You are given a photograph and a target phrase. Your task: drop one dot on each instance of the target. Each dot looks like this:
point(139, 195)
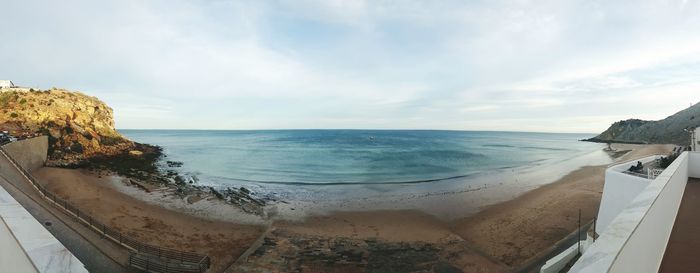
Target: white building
point(696, 139)
point(6, 84)
point(646, 224)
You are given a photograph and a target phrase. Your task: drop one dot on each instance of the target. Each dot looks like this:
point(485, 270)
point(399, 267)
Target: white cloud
point(360, 64)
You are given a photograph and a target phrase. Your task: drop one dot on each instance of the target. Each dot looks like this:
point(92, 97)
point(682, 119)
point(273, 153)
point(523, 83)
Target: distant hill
point(665, 131)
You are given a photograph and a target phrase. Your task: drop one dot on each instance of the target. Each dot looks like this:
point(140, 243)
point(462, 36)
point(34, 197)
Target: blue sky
point(549, 66)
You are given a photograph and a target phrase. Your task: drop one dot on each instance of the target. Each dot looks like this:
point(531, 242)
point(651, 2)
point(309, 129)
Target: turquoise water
point(332, 157)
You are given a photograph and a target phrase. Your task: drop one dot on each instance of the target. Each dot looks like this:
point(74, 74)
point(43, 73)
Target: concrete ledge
point(30, 153)
point(635, 241)
point(44, 251)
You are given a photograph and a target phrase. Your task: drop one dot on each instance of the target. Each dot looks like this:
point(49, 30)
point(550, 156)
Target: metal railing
point(157, 259)
point(147, 263)
point(652, 173)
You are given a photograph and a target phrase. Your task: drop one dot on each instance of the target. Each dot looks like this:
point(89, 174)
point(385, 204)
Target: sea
point(290, 161)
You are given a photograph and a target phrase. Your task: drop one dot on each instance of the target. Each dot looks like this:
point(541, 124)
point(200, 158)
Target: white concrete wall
point(30, 153)
point(694, 164)
point(618, 191)
point(12, 256)
point(645, 249)
point(46, 253)
point(557, 263)
point(635, 241)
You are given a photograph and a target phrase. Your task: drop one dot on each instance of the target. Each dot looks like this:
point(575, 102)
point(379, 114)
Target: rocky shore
point(81, 134)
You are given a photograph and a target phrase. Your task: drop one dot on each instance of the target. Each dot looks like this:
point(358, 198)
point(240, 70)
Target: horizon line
point(352, 129)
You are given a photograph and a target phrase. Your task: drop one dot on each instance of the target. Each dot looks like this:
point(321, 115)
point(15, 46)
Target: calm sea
point(309, 157)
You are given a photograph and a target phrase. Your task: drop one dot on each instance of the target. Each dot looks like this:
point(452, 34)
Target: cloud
point(572, 66)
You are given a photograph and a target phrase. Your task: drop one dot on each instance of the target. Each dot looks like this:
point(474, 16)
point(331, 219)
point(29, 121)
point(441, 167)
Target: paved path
point(682, 250)
point(97, 254)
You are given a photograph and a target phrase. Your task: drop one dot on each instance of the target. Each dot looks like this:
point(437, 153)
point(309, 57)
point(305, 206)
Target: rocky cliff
point(79, 126)
point(665, 131)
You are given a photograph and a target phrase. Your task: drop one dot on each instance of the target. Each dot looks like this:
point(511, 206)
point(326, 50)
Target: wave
point(545, 148)
point(340, 183)
point(526, 147)
point(500, 145)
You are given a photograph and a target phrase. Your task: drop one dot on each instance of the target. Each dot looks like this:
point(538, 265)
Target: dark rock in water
point(174, 164)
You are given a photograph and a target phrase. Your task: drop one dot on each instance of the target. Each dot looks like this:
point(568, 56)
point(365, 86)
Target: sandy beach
point(497, 238)
point(223, 241)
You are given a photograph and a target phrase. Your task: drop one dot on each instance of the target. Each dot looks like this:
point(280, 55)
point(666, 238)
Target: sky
point(545, 66)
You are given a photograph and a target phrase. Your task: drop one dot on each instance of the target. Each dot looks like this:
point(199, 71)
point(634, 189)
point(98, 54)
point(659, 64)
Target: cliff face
point(665, 131)
point(79, 126)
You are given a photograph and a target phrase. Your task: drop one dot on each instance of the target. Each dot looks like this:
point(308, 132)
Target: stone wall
point(29, 153)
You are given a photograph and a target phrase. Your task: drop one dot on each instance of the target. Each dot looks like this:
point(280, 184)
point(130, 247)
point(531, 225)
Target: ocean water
point(356, 157)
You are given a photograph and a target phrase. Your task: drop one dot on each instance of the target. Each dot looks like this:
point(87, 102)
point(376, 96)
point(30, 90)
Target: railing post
point(579, 231)
point(595, 219)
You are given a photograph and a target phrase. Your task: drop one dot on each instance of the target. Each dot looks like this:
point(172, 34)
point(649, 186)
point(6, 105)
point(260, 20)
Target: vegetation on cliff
point(79, 127)
point(666, 131)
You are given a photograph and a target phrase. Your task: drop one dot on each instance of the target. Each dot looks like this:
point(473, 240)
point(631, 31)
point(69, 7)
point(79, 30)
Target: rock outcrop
point(665, 131)
point(79, 126)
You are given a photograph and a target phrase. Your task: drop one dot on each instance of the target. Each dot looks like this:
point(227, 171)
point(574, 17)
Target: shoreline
point(499, 238)
point(496, 236)
point(447, 200)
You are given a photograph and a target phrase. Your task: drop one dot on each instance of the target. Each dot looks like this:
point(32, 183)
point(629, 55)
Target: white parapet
point(619, 190)
point(635, 240)
point(28, 245)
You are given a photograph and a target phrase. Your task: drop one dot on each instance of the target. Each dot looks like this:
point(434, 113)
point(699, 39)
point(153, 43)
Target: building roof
point(6, 83)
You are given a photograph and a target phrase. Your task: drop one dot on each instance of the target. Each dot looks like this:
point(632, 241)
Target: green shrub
point(14, 115)
point(666, 161)
point(23, 101)
point(4, 98)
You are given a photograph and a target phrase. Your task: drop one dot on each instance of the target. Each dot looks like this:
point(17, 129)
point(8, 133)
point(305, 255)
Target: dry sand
point(517, 230)
point(392, 225)
point(223, 241)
